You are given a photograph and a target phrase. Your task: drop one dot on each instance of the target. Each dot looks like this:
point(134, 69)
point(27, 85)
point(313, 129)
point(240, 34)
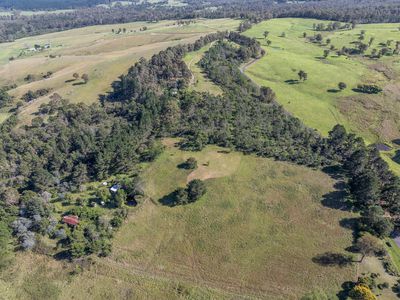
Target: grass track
point(199, 80)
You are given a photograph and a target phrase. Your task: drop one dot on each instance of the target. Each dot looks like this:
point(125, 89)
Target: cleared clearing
point(199, 81)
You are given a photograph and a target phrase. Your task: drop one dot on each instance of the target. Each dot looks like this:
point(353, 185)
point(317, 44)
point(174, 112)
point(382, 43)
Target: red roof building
point(71, 220)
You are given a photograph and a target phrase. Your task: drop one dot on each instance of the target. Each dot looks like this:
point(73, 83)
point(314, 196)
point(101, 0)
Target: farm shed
point(71, 220)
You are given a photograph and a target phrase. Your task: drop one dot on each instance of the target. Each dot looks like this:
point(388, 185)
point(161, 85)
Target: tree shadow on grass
point(349, 223)
point(224, 151)
point(332, 259)
point(335, 172)
point(292, 81)
point(183, 166)
point(69, 80)
point(333, 91)
point(62, 255)
point(336, 200)
point(353, 225)
point(347, 286)
point(169, 200)
point(78, 83)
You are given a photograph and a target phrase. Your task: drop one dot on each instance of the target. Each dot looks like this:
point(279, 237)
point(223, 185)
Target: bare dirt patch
point(388, 72)
point(393, 91)
point(218, 165)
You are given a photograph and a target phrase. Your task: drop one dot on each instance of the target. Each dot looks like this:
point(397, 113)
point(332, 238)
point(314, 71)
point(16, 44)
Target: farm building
point(71, 220)
point(115, 188)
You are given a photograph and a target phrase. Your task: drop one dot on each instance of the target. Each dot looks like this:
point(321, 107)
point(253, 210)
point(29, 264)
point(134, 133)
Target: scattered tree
point(302, 75)
point(362, 292)
point(368, 245)
point(190, 164)
point(368, 89)
point(85, 78)
point(342, 86)
point(196, 188)
point(119, 198)
point(267, 94)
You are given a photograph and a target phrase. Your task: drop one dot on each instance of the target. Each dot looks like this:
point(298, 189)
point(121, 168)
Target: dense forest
point(364, 11)
point(48, 4)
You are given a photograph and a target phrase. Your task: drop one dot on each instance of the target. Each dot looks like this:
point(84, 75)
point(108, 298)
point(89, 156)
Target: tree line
point(48, 4)
point(365, 11)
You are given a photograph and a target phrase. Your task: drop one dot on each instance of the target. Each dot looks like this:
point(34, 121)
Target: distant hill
point(48, 4)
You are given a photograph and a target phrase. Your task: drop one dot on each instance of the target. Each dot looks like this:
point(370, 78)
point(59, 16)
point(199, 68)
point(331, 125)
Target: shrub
point(5, 99)
point(342, 86)
point(368, 89)
point(189, 164)
point(362, 292)
point(195, 189)
point(390, 267)
point(181, 196)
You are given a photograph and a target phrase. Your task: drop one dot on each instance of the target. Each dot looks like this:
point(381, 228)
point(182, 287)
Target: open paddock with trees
point(235, 241)
point(97, 51)
point(161, 190)
point(319, 102)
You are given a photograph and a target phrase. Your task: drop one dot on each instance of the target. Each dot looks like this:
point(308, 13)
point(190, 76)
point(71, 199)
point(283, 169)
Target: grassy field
point(199, 80)
point(252, 235)
point(317, 101)
point(97, 51)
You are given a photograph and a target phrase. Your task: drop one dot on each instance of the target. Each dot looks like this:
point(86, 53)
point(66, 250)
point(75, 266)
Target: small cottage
point(115, 188)
point(71, 220)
